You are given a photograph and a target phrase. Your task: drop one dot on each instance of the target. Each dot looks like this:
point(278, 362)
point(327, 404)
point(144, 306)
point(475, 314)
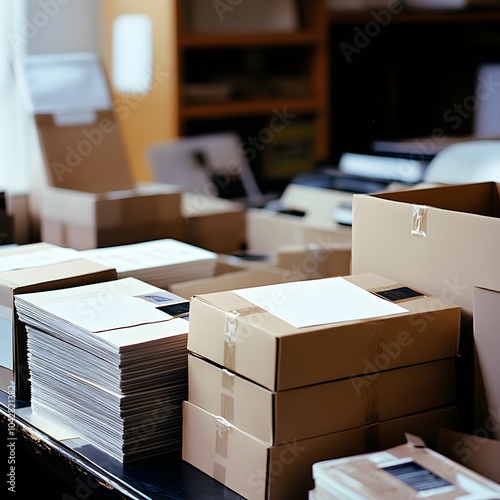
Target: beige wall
point(145, 119)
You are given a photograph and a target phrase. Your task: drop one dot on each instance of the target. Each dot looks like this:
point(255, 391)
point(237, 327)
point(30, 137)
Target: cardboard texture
point(487, 347)
point(256, 470)
point(314, 261)
point(268, 229)
point(34, 279)
point(445, 248)
point(214, 223)
point(443, 240)
point(475, 452)
point(234, 333)
point(285, 416)
point(83, 220)
point(397, 473)
point(230, 281)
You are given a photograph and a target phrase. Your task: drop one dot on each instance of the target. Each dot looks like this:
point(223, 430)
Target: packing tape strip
point(371, 401)
point(419, 220)
point(227, 407)
point(222, 427)
point(219, 473)
point(230, 333)
point(228, 381)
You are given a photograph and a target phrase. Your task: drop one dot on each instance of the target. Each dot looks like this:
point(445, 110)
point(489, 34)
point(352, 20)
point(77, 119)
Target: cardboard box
point(406, 471)
point(295, 414)
point(34, 279)
point(475, 452)
point(81, 220)
point(256, 470)
point(487, 347)
point(315, 261)
point(234, 333)
point(267, 229)
point(6, 223)
point(442, 240)
point(244, 278)
point(214, 223)
point(18, 208)
point(91, 198)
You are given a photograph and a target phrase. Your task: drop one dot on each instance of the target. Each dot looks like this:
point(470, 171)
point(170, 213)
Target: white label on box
point(6, 345)
point(317, 302)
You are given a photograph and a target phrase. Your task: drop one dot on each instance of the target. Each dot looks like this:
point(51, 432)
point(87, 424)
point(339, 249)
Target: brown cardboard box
point(234, 333)
point(91, 198)
point(18, 208)
point(487, 346)
point(475, 452)
point(82, 220)
point(406, 471)
point(314, 261)
point(295, 414)
point(267, 230)
point(256, 470)
point(214, 223)
point(444, 240)
point(34, 279)
point(244, 278)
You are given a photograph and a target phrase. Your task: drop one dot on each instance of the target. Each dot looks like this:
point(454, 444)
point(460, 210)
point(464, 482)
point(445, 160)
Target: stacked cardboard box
point(32, 268)
point(271, 393)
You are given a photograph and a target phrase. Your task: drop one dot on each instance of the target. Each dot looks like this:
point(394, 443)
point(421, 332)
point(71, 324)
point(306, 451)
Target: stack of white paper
point(109, 361)
point(160, 262)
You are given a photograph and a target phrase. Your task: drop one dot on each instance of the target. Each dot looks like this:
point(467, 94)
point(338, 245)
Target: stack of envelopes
point(109, 361)
point(159, 262)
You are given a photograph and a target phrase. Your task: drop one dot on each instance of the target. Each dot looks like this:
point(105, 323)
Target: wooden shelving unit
point(252, 60)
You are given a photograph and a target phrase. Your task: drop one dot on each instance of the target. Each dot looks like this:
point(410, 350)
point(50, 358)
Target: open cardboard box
point(267, 229)
point(258, 471)
point(36, 267)
point(91, 199)
point(444, 240)
point(233, 332)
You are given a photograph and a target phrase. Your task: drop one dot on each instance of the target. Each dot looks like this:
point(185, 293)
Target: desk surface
point(162, 477)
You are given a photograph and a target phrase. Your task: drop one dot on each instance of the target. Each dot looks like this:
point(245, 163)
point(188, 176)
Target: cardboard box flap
point(86, 158)
point(479, 199)
point(64, 83)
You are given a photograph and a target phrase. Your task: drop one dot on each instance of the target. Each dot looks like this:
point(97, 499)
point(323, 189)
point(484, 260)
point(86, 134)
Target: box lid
point(79, 134)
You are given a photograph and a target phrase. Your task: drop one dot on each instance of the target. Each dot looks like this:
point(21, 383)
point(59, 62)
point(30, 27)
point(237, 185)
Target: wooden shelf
point(248, 108)
point(209, 41)
point(419, 16)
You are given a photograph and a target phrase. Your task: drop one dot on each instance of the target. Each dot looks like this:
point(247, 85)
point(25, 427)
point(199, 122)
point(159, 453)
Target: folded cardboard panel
point(233, 332)
point(474, 451)
point(285, 416)
point(256, 470)
point(33, 279)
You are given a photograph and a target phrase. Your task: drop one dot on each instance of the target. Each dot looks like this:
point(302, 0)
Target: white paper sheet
point(38, 258)
point(318, 302)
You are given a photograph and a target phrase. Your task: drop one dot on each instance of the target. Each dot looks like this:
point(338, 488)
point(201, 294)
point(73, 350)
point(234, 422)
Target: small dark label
point(175, 309)
point(399, 294)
